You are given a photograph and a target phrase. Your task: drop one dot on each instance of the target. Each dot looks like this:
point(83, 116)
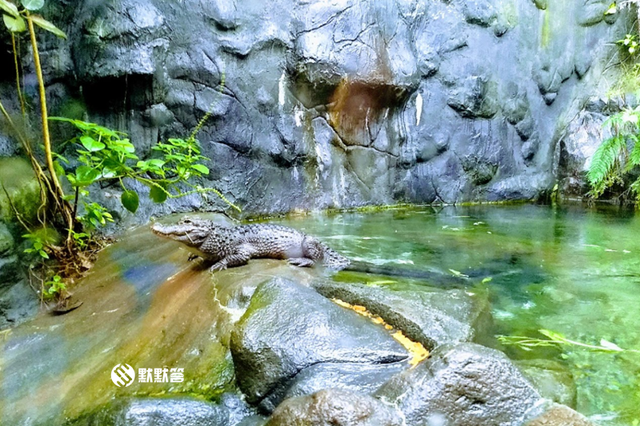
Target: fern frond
point(605, 159)
point(634, 155)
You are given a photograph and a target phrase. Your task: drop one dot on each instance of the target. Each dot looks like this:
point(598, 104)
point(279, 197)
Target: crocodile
point(229, 246)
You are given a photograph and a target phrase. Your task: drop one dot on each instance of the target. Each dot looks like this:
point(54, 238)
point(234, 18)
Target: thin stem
point(15, 61)
point(59, 192)
point(75, 202)
point(43, 110)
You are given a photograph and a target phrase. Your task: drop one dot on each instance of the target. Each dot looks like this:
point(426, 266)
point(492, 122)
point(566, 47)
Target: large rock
point(432, 317)
point(335, 407)
point(358, 378)
point(8, 257)
point(461, 385)
point(288, 328)
point(18, 301)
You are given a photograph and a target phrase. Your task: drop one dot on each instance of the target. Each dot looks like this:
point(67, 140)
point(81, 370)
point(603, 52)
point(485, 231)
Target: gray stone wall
point(338, 104)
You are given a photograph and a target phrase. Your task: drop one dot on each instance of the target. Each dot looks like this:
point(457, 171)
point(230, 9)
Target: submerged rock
point(334, 407)
point(553, 380)
point(288, 328)
point(432, 317)
point(461, 385)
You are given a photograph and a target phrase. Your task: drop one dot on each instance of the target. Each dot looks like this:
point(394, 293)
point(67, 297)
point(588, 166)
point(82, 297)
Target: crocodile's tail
point(334, 260)
point(437, 278)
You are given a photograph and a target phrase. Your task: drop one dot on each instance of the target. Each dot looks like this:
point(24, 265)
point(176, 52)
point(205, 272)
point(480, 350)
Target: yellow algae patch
point(418, 352)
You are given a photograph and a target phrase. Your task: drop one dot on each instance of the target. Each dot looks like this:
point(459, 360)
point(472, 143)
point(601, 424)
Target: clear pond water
point(571, 270)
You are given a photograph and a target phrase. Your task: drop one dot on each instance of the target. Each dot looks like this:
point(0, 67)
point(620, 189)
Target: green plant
point(618, 154)
point(54, 287)
point(629, 44)
point(36, 245)
point(105, 155)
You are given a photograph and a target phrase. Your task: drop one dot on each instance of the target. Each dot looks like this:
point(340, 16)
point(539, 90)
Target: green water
point(572, 270)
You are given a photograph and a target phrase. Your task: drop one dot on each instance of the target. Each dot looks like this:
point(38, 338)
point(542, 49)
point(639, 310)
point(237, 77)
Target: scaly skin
point(234, 246)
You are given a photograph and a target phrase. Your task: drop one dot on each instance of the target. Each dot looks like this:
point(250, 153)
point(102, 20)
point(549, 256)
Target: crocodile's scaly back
point(234, 246)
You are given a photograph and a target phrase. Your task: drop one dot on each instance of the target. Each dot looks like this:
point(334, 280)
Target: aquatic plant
point(555, 339)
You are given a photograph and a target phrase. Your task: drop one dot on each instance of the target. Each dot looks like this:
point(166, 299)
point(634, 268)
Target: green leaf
point(156, 163)
point(552, 335)
point(85, 176)
point(10, 8)
point(612, 9)
point(43, 254)
point(15, 25)
point(201, 168)
point(157, 194)
point(58, 168)
point(108, 173)
point(130, 200)
point(46, 25)
point(32, 4)
point(91, 144)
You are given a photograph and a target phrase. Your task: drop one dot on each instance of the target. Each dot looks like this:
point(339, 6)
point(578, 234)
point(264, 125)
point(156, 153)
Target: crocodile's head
point(189, 231)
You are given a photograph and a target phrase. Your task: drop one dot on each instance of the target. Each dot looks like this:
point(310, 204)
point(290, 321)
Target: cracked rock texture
point(289, 328)
point(334, 104)
point(461, 385)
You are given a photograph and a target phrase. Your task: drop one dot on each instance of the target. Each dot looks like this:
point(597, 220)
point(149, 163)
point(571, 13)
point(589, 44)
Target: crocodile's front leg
point(236, 259)
point(301, 261)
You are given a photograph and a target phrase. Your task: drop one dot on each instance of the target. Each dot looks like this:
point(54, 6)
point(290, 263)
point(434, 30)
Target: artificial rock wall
point(336, 103)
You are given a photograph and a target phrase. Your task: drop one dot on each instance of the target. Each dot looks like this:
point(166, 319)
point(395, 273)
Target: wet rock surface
point(158, 412)
point(288, 328)
point(559, 415)
point(465, 384)
point(18, 301)
point(431, 317)
point(335, 407)
point(553, 380)
point(363, 379)
point(336, 104)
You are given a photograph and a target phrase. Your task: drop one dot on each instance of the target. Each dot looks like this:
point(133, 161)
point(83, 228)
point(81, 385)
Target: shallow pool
point(572, 270)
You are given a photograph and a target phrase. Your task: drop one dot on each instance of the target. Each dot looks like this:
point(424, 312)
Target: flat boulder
point(334, 407)
point(461, 385)
point(288, 328)
point(432, 317)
